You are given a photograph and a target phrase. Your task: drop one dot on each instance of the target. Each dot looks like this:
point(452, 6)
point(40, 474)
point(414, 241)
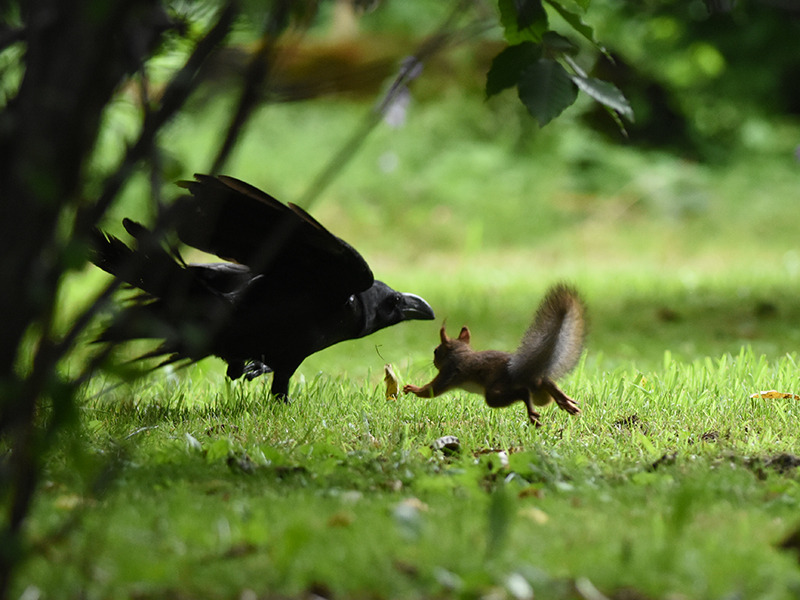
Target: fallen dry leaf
point(414, 503)
point(449, 445)
point(68, 501)
point(392, 383)
point(775, 395)
point(536, 515)
point(341, 519)
point(531, 492)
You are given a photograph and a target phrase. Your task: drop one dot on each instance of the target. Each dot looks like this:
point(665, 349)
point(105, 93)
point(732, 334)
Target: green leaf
point(579, 6)
point(576, 23)
point(615, 117)
point(535, 20)
point(545, 88)
point(605, 93)
point(507, 66)
point(555, 43)
point(529, 12)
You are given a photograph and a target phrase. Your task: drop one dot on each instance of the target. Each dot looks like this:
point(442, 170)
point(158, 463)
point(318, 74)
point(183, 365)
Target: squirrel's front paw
point(411, 389)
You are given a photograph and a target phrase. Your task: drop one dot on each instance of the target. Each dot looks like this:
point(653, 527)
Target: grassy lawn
point(672, 483)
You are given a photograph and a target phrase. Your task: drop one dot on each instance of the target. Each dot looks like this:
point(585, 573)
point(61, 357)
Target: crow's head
point(382, 306)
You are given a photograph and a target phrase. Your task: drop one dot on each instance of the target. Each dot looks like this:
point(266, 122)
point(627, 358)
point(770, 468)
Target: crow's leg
point(235, 369)
point(256, 368)
point(280, 384)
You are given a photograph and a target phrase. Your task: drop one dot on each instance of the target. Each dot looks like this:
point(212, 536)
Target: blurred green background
point(683, 235)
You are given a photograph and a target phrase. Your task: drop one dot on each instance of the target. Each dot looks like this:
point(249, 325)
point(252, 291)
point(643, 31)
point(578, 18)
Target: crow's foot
point(255, 368)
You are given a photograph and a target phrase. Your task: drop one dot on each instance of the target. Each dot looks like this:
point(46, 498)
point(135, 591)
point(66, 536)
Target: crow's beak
point(415, 308)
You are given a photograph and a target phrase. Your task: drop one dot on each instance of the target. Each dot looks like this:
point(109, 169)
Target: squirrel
point(549, 349)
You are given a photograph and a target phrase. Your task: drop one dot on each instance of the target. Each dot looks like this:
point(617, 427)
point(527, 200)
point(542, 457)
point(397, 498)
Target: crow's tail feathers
point(149, 266)
point(159, 312)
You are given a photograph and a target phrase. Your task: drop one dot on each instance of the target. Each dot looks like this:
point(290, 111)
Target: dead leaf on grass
point(392, 382)
point(783, 462)
point(536, 515)
point(631, 422)
point(666, 459)
point(341, 519)
point(449, 445)
point(531, 492)
point(775, 395)
point(510, 450)
point(415, 504)
point(221, 429)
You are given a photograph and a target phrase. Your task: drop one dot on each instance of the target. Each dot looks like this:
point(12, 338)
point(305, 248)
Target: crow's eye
point(390, 303)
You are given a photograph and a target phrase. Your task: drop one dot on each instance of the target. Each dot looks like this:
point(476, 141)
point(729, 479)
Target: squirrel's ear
point(464, 335)
point(443, 333)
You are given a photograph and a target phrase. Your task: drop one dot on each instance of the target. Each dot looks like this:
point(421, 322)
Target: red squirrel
point(549, 349)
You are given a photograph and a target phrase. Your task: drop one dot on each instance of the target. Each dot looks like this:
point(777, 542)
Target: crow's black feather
point(290, 288)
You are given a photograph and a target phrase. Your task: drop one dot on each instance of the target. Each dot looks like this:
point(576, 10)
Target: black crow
point(290, 288)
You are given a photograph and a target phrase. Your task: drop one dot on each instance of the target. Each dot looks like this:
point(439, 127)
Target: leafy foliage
point(536, 58)
point(605, 93)
point(507, 66)
point(546, 89)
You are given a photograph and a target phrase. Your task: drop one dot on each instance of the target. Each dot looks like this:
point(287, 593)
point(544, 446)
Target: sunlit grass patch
point(669, 482)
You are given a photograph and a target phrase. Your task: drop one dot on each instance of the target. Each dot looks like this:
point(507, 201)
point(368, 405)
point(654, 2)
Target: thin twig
point(410, 69)
point(258, 71)
point(178, 90)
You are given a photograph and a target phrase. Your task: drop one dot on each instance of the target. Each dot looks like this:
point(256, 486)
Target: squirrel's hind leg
point(534, 416)
point(564, 402)
point(499, 396)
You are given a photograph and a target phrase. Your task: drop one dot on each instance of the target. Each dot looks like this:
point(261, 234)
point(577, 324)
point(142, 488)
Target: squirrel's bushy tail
point(553, 343)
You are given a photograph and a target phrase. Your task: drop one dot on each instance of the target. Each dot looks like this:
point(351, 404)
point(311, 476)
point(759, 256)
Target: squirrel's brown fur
point(549, 349)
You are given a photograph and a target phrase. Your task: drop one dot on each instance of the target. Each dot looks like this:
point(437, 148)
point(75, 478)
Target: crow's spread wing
point(238, 222)
point(150, 267)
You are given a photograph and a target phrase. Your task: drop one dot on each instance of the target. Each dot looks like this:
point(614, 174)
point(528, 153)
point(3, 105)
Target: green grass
point(185, 485)
point(197, 489)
